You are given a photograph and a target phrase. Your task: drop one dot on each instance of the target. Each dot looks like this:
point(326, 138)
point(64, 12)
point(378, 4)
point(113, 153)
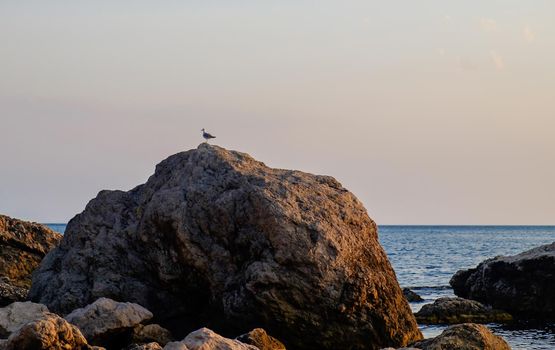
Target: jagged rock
point(412, 296)
point(465, 336)
point(151, 333)
point(216, 238)
point(459, 310)
point(522, 284)
point(15, 315)
point(107, 322)
point(148, 346)
point(22, 247)
point(48, 333)
point(262, 340)
point(206, 339)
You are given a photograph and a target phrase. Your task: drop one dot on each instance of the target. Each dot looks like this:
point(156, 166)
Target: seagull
point(207, 136)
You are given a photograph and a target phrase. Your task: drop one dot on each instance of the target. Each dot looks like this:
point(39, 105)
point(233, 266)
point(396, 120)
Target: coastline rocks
point(148, 346)
point(10, 293)
point(48, 333)
point(206, 339)
point(459, 310)
point(411, 296)
point(262, 340)
point(522, 284)
point(215, 238)
point(15, 315)
point(466, 336)
point(22, 247)
point(107, 322)
point(151, 333)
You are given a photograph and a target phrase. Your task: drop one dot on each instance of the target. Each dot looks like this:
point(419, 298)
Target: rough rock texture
point(465, 336)
point(459, 310)
point(107, 322)
point(22, 247)
point(400, 349)
point(412, 296)
point(522, 285)
point(151, 333)
point(262, 340)
point(15, 315)
point(206, 339)
point(216, 238)
point(48, 333)
point(148, 346)
point(10, 293)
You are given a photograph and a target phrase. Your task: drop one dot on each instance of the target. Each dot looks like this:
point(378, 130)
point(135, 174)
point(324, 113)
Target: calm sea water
point(425, 258)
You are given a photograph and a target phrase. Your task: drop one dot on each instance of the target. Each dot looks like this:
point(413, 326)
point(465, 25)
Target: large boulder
point(15, 315)
point(107, 322)
point(465, 336)
point(215, 238)
point(459, 310)
point(206, 339)
point(22, 247)
point(48, 333)
point(522, 284)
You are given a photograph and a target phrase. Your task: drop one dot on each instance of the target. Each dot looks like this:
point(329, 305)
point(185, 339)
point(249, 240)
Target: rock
point(151, 333)
point(465, 336)
point(459, 310)
point(259, 338)
point(22, 247)
point(149, 346)
point(215, 238)
point(15, 315)
point(49, 333)
point(107, 322)
point(400, 349)
point(176, 345)
point(522, 284)
point(412, 296)
point(10, 293)
point(206, 339)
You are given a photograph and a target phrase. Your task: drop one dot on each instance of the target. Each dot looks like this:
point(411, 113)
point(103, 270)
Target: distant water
point(61, 228)
point(425, 258)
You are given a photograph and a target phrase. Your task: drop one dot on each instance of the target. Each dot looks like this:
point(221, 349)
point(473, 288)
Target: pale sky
point(431, 112)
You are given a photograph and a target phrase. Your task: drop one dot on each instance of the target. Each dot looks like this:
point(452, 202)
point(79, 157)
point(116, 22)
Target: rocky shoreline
point(218, 251)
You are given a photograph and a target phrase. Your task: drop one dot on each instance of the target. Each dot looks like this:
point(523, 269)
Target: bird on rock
point(207, 136)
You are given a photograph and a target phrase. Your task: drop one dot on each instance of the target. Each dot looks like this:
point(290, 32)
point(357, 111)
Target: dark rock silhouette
point(522, 284)
point(412, 296)
point(217, 239)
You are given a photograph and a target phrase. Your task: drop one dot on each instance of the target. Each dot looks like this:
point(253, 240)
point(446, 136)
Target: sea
point(425, 258)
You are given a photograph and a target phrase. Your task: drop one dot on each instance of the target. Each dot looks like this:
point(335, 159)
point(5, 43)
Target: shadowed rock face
point(522, 284)
point(217, 239)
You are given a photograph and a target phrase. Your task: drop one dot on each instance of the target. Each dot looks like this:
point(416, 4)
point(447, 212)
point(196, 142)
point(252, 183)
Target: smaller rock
point(259, 338)
point(176, 345)
point(151, 333)
point(15, 315)
point(459, 310)
point(400, 349)
point(50, 332)
point(466, 336)
point(206, 339)
point(148, 346)
point(107, 322)
point(412, 296)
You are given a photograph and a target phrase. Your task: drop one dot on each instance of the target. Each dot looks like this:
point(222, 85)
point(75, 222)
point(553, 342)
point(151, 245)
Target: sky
point(430, 112)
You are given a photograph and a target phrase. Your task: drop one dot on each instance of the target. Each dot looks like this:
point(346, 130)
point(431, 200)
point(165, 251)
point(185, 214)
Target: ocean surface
point(425, 258)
